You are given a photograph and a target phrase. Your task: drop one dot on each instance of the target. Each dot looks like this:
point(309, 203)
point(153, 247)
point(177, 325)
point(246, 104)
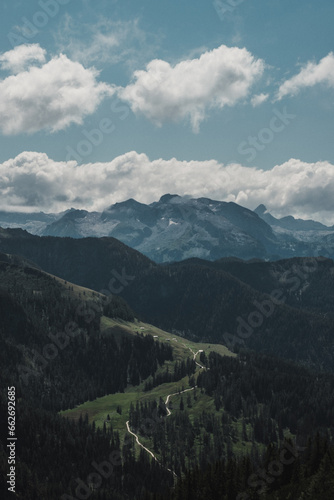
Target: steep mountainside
point(201, 411)
point(209, 303)
point(307, 282)
point(224, 301)
point(97, 263)
point(175, 228)
point(298, 237)
point(50, 338)
point(53, 356)
point(290, 222)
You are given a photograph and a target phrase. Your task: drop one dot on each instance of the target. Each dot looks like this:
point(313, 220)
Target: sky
point(105, 100)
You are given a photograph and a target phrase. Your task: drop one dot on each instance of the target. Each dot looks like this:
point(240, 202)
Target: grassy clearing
point(181, 346)
point(98, 409)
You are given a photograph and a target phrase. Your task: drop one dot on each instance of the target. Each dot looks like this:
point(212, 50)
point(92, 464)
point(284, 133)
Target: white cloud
point(259, 99)
point(50, 97)
point(218, 78)
point(18, 59)
point(312, 74)
point(33, 182)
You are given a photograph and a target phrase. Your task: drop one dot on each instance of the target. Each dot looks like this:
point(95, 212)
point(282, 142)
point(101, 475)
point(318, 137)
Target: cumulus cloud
point(312, 74)
point(18, 59)
point(218, 78)
point(49, 97)
point(33, 182)
point(259, 99)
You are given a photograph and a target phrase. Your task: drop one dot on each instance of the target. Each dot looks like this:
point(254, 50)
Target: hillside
point(203, 300)
point(72, 350)
point(51, 340)
point(90, 262)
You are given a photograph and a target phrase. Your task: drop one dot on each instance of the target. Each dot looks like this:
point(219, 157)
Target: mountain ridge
point(201, 299)
point(176, 228)
point(290, 222)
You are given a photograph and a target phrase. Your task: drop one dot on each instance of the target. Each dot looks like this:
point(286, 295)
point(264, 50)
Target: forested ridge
point(257, 399)
point(251, 426)
point(269, 312)
point(52, 343)
point(204, 300)
point(56, 456)
point(283, 473)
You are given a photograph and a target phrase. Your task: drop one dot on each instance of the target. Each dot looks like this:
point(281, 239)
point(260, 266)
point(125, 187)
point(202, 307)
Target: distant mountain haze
point(177, 228)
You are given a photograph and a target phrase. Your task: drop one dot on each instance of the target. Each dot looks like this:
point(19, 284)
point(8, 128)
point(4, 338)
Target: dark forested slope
point(282, 307)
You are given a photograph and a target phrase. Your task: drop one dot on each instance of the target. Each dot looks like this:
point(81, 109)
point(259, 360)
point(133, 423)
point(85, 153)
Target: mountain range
point(233, 358)
point(177, 228)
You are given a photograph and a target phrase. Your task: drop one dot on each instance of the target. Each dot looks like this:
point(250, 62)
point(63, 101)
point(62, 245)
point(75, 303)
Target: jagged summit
point(168, 197)
point(131, 202)
point(261, 209)
point(180, 227)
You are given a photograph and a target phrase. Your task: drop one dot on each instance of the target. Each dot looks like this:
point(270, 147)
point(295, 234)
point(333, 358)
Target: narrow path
point(168, 412)
point(139, 443)
point(175, 394)
point(195, 354)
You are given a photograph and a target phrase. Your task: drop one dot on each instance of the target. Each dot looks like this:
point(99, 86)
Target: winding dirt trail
point(175, 394)
point(139, 443)
point(168, 413)
point(195, 354)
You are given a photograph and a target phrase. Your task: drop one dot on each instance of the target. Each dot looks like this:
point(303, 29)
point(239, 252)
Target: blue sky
point(106, 100)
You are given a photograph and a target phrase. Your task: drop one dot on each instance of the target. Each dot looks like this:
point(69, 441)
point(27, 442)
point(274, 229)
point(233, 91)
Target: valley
point(156, 376)
point(183, 350)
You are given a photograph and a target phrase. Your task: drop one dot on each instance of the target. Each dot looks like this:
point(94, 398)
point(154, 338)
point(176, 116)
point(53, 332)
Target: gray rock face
point(177, 228)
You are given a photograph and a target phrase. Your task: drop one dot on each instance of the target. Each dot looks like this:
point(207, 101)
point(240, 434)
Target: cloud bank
point(33, 182)
point(48, 97)
point(218, 78)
